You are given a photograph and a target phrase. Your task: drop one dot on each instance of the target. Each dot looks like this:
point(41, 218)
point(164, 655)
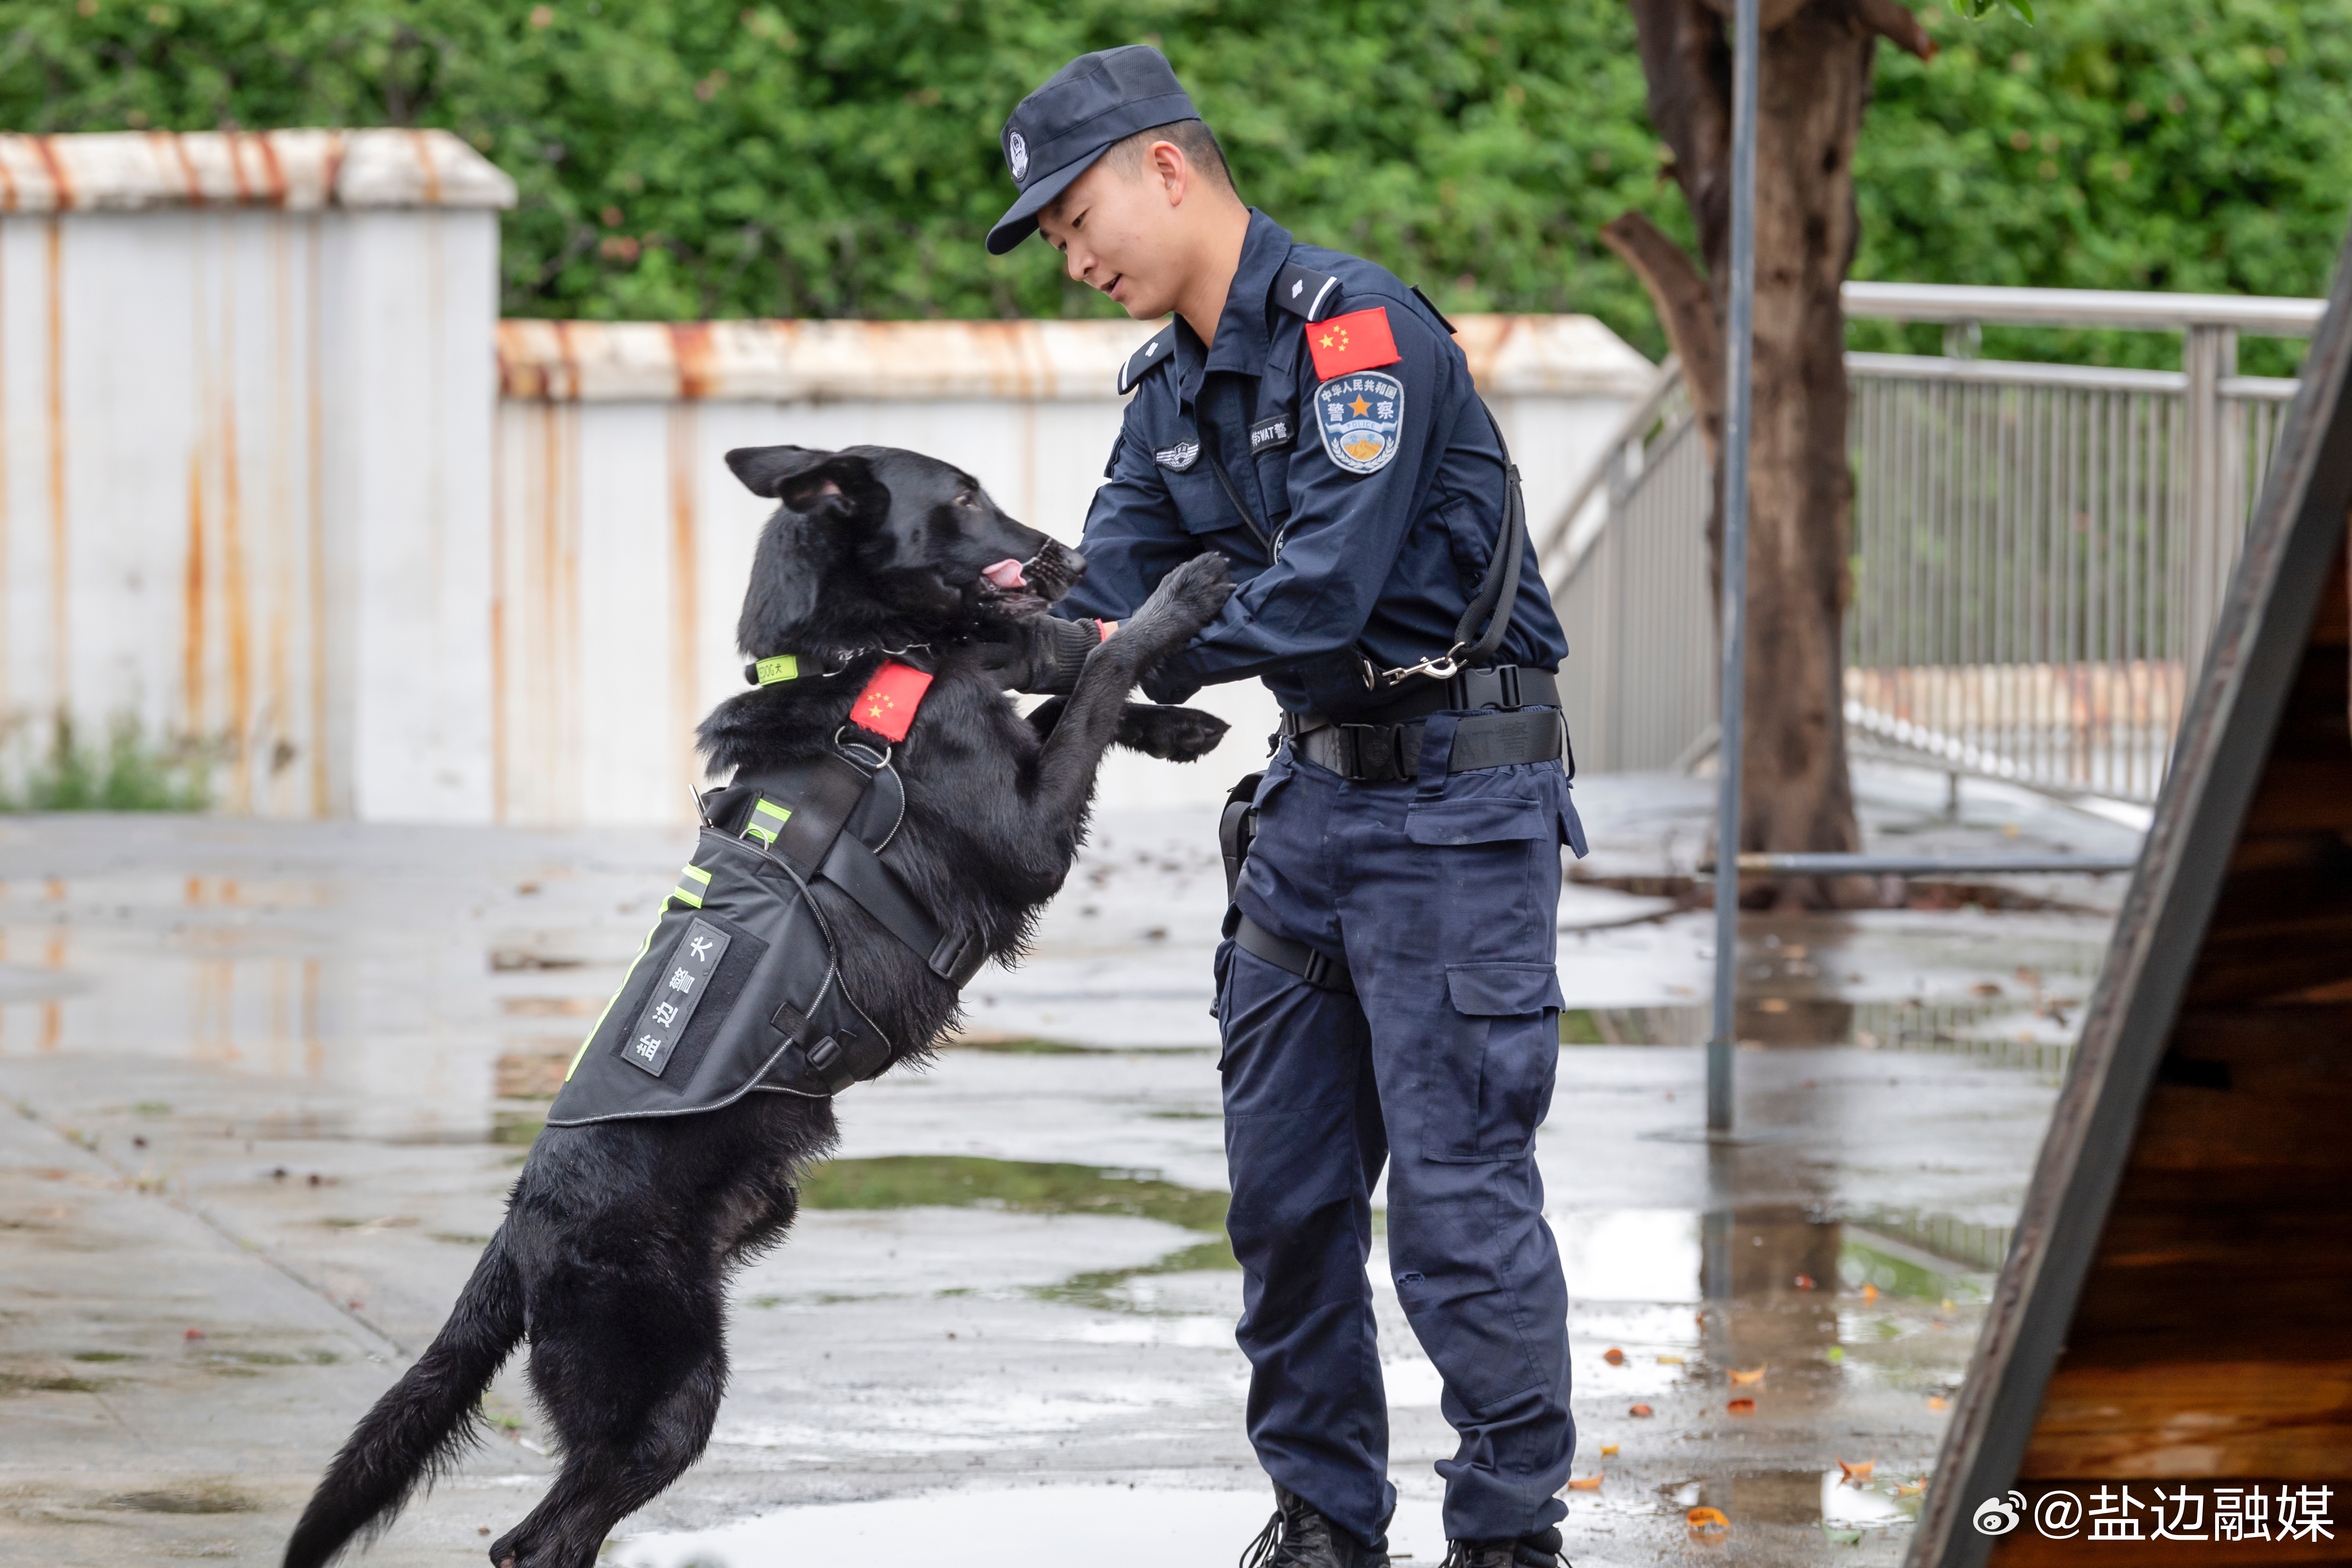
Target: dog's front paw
point(1171, 735)
point(1186, 600)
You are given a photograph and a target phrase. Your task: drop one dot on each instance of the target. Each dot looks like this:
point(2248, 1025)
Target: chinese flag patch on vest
point(1356, 340)
point(887, 705)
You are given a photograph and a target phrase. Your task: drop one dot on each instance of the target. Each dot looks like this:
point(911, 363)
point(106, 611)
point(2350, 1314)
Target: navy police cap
point(1057, 131)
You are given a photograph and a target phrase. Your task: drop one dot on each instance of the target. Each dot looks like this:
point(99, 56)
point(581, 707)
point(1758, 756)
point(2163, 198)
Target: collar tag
point(779, 667)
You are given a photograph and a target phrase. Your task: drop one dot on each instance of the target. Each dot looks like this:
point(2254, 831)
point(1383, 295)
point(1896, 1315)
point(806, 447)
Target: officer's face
point(1123, 231)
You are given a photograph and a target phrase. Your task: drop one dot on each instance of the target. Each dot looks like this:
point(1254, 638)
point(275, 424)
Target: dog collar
point(779, 668)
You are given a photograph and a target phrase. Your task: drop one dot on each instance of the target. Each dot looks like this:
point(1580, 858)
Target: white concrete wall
point(623, 545)
point(246, 387)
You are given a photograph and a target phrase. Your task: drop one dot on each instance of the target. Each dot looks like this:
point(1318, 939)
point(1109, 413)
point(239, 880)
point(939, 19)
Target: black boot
point(1541, 1550)
point(1299, 1536)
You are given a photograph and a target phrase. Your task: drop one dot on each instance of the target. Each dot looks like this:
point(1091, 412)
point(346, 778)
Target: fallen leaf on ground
point(1670, 1361)
point(1708, 1521)
point(1911, 1488)
point(1640, 1410)
point(1951, 1305)
point(1607, 1449)
point(1591, 1483)
point(1854, 1474)
point(1804, 1281)
point(1754, 1376)
point(1934, 1402)
point(1614, 1356)
point(1842, 1537)
point(194, 1334)
point(1870, 1292)
point(1741, 1407)
point(1834, 1354)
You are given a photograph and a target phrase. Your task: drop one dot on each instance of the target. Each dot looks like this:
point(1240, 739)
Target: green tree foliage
point(2187, 145)
point(706, 157)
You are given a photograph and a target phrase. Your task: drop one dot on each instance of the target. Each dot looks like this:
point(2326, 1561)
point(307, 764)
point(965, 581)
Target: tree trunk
point(1814, 80)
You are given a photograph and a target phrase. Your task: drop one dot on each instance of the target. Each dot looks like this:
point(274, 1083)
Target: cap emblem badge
point(1016, 153)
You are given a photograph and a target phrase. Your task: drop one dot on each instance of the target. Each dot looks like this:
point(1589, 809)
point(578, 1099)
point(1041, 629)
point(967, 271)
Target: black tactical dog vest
point(737, 986)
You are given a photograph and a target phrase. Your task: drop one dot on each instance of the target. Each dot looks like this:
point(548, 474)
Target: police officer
point(1386, 990)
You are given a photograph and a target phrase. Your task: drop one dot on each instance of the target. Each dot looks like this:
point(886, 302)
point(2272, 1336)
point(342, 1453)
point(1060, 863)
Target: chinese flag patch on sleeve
point(1356, 340)
point(887, 706)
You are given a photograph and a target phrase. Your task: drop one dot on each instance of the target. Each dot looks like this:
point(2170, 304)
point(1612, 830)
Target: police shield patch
point(1360, 416)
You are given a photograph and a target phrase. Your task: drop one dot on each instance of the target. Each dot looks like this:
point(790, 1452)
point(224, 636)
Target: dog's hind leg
point(633, 1390)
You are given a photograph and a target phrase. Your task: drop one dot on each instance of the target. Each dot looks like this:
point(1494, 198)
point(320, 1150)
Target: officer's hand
point(1040, 653)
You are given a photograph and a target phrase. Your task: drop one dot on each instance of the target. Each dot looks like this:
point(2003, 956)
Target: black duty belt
point(1315, 967)
point(1376, 754)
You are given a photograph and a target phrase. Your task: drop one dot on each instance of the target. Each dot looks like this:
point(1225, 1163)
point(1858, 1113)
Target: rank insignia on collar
point(1360, 418)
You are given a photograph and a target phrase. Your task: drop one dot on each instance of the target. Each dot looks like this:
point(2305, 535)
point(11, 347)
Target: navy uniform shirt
point(1360, 514)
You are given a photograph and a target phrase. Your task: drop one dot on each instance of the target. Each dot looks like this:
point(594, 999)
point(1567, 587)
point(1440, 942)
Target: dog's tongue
point(1005, 574)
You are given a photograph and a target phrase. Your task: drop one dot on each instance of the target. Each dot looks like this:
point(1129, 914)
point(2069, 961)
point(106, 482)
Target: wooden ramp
point(2176, 1312)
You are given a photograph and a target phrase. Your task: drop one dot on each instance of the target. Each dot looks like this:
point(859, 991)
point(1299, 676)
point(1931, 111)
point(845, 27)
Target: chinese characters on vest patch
point(676, 994)
point(1360, 416)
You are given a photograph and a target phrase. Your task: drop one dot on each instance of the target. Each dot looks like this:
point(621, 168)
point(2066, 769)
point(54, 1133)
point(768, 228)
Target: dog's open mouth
point(1027, 587)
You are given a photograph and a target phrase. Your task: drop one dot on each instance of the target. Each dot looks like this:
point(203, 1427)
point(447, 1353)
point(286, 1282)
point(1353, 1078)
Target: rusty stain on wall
point(60, 623)
point(8, 673)
point(686, 619)
point(283, 444)
point(498, 703)
point(237, 608)
point(192, 597)
point(322, 654)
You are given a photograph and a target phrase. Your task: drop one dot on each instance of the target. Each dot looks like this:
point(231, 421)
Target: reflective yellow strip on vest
point(690, 884)
point(782, 667)
point(766, 818)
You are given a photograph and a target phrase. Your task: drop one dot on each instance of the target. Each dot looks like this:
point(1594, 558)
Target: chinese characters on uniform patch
point(676, 994)
point(2202, 1512)
point(1360, 416)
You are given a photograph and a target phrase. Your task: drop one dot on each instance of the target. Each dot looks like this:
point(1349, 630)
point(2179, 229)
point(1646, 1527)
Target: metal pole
point(1739, 347)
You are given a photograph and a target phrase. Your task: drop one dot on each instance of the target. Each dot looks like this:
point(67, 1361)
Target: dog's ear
point(798, 477)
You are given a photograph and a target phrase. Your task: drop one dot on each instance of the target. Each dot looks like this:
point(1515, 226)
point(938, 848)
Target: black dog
point(619, 1235)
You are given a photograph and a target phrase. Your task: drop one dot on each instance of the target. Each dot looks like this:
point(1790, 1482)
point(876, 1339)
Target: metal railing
point(2040, 551)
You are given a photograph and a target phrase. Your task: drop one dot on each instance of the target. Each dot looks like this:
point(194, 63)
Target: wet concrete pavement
point(272, 1082)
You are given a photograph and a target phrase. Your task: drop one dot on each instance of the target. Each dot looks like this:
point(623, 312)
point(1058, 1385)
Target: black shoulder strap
point(1498, 595)
point(1305, 292)
point(1157, 352)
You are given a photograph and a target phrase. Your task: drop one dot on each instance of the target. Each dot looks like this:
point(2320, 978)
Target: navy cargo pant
point(1442, 894)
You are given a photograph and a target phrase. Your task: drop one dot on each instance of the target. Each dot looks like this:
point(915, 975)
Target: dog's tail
point(423, 1422)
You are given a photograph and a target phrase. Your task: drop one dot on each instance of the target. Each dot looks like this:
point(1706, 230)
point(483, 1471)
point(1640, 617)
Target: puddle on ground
point(1155, 1527)
point(1023, 1186)
point(195, 1497)
point(1826, 1497)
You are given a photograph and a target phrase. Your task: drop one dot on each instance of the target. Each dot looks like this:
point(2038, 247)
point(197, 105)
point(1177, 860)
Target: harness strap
point(837, 1064)
point(954, 956)
point(1315, 967)
point(808, 833)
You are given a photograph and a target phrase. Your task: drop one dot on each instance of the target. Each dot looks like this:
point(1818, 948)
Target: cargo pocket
point(1498, 855)
point(1490, 1085)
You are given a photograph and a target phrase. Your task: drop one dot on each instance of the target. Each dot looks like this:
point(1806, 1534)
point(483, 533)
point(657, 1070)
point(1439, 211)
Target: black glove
point(1041, 653)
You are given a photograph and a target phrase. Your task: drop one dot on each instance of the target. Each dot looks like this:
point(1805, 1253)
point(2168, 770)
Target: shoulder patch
point(1303, 291)
point(1360, 340)
point(1159, 351)
point(1361, 415)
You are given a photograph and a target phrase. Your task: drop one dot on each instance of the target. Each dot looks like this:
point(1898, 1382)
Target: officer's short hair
point(1193, 138)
